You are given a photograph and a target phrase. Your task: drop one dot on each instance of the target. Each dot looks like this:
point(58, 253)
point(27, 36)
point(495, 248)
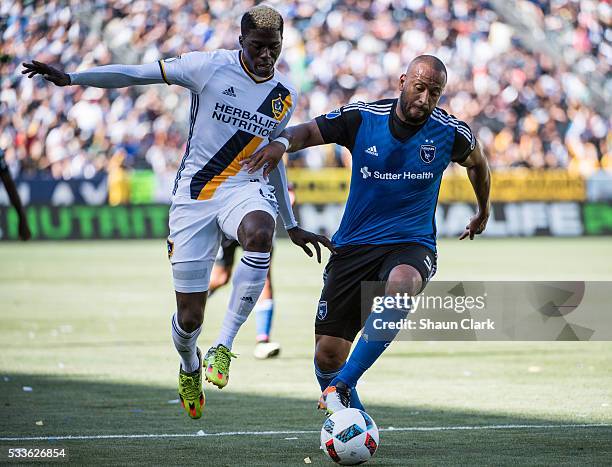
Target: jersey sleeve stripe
point(366, 109)
point(369, 105)
point(461, 127)
point(369, 111)
point(163, 72)
point(376, 109)
point(377, 113)
point(451, 119)
point(461, 130)
point(195, 106)
point(372, 106)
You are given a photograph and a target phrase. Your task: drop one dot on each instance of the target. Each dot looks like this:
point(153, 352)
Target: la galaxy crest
point(427, 151)
point(277, 107)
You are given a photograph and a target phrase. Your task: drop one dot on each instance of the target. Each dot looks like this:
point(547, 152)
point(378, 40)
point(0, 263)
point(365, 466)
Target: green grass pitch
point(87, 327)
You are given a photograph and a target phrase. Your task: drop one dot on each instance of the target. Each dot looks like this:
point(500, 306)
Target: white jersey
point(233, 114)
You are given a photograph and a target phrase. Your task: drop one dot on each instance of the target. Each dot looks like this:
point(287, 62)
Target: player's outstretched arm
point(107, 76)
point(278, 179)
point(55, 76)
point(480, 178)
point(11, 189)
point(292, 139)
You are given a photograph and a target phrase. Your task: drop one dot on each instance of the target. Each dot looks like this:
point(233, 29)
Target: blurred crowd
point(527, 108)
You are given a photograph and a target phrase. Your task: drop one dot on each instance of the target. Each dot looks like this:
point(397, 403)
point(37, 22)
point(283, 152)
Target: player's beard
point(405, 108)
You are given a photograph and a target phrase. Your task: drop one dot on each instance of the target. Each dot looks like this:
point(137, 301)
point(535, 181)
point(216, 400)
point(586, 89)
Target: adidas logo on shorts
point(372, 151)
point(247, 299)
point(229, 92)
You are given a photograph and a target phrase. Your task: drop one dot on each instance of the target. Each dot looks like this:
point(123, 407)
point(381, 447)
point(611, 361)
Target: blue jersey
point(395, 181)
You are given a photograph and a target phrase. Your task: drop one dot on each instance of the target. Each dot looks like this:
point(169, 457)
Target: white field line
point(297, 432)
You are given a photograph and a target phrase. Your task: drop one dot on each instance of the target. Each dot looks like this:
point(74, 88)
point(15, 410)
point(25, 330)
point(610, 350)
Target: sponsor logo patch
point(333, 114)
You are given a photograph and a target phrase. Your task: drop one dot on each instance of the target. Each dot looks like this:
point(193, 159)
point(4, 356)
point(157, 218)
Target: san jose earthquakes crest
point(322, 310)
point(427, 152)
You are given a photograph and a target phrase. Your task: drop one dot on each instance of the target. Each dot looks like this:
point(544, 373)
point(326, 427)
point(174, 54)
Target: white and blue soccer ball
point(349, 437)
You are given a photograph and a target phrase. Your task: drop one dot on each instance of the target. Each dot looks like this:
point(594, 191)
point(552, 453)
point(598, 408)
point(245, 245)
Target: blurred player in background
point(400, 148)
point(238, 102)
point(13, 195)
point(264, 308)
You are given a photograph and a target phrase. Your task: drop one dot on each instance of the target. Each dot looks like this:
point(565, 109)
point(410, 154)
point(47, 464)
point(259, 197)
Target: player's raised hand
point(476, 225)
point(303, 237)
point(57, 77)
point(268, 156)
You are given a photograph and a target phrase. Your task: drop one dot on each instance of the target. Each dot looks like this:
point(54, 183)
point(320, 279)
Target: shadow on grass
point(84, 407)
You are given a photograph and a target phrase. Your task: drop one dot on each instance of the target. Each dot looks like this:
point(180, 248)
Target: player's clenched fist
point(57, 77)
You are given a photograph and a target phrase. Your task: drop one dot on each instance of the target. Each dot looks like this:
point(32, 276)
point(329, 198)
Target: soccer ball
point(349, 437)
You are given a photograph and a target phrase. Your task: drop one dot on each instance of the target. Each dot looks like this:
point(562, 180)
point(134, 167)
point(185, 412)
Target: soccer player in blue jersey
point(400, 148)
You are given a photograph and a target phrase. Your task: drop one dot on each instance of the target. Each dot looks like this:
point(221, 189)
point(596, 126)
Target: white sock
point(248, 281)
point(185, 343)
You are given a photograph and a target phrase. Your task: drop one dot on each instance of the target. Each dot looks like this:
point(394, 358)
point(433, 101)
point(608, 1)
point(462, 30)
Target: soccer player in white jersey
point(239, 102)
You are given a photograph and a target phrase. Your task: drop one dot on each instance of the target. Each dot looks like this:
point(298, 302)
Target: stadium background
point(85, 349)
point(532, 80)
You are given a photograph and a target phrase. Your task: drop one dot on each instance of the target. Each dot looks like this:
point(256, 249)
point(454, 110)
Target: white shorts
point(196, 226)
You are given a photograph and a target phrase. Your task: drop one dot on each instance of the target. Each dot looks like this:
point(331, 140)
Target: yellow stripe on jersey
point(163, 71)
point(209, 189)
point(225, 163)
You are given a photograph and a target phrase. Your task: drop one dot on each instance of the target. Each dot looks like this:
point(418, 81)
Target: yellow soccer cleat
point(190, 390)
point(216, 365)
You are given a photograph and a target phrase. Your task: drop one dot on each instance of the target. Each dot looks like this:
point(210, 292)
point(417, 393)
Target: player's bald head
point(427, 62)
point(421, 88)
